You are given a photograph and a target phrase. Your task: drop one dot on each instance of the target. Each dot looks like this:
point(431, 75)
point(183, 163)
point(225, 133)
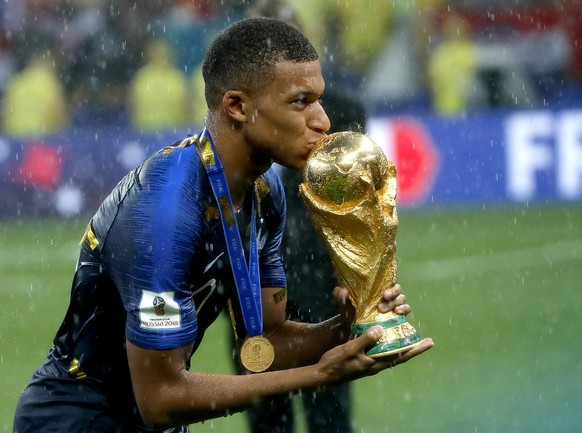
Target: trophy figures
point(349, 187)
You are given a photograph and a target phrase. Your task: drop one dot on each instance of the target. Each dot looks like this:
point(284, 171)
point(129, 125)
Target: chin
point(296, 165)
point(300, 166)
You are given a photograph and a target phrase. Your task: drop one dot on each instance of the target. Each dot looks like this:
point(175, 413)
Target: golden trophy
point(349, 187)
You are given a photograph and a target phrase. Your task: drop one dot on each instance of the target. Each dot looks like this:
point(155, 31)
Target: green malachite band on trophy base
point(384, 348)
point(358, 329)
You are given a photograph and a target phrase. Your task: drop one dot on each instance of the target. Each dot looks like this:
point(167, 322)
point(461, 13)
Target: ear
point(236, 104)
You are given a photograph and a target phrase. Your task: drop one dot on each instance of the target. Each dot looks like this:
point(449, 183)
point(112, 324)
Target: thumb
point(370, 336)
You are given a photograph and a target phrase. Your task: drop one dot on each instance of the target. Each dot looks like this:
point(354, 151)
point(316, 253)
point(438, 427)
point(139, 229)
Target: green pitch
point(499, 290)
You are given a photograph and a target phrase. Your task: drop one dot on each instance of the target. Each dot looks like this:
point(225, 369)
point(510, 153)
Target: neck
point(240, 168)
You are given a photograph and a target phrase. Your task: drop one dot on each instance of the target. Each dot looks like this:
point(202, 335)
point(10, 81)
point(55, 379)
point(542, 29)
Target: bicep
point(155, 375)
point(151, 369)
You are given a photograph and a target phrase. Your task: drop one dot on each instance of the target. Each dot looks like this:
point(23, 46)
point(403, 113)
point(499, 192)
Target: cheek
point(291, 126)
point(281, 123)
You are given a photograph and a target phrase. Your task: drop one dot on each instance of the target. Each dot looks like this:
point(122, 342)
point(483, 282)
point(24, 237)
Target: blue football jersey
point(153, 270)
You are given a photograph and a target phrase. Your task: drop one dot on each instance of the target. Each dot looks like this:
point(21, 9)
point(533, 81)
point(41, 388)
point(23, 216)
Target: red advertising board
point(410, 147)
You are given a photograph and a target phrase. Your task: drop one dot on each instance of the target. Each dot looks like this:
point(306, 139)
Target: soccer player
point(198, 224)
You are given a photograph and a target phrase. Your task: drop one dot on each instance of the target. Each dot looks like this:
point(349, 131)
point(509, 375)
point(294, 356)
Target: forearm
point(169, 395)
point(299, 344)
point(201, 396)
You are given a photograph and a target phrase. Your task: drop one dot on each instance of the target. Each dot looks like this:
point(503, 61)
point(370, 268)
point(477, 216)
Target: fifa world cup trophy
point(349, 187)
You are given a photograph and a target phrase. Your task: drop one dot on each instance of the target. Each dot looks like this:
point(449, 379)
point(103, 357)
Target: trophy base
point(398, 336)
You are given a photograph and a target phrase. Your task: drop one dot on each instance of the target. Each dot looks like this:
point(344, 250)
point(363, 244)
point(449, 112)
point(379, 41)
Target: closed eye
point(307, 98)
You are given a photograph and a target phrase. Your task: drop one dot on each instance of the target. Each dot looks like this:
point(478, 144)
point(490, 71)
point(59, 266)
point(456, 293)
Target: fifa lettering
point(540, 143)
point(569, 149)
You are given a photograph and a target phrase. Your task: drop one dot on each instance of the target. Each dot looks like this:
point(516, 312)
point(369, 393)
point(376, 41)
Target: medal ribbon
point(247, 280)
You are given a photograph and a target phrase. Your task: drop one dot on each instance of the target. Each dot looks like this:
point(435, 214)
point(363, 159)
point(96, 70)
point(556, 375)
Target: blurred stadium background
point(490, 185)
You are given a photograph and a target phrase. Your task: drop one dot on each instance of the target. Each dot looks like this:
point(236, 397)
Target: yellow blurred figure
point(452, 68)
point(34, 101)
point(361, 28)
point(158, 91)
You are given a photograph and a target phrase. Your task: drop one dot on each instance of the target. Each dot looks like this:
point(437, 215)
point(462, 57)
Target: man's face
point(287, 115)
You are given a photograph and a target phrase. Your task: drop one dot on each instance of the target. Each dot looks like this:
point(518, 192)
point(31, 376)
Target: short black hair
point(243, 56)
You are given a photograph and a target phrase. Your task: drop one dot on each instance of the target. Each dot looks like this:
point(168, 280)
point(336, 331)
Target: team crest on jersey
point(159, 311)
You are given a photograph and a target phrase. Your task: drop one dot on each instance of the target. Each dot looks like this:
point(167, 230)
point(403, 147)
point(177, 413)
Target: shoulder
point(168, 184)
point(171, 166)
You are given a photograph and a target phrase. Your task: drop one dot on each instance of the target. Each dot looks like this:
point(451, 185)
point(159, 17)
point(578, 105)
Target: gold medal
point(257, 354)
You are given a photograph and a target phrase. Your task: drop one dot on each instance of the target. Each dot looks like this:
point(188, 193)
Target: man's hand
point(394, 300)
point(348, 361)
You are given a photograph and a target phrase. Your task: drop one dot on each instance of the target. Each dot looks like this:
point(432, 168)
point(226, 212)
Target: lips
point(310, 147)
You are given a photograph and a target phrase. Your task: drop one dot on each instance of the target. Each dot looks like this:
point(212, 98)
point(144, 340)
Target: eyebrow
point(305, 93)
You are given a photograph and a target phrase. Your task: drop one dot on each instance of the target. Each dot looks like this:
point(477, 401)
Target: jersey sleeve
point(152, 241)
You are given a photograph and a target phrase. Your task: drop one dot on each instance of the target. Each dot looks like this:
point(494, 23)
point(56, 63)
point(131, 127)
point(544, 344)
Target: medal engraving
point(257, 354)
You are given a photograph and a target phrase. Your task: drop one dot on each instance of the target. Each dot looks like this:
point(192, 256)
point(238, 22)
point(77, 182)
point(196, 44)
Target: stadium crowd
point(77, 62)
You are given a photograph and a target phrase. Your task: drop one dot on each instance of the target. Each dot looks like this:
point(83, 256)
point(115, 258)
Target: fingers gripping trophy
point(349, 187)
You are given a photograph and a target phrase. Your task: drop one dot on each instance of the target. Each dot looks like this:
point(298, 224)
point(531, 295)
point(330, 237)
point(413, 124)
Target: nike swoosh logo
point(209, 265)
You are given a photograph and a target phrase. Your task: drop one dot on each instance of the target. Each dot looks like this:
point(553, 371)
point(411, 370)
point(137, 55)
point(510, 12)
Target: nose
point(319, 122)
